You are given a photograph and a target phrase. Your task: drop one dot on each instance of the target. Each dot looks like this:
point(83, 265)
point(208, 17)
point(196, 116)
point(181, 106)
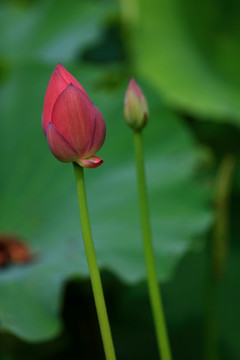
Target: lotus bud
point(74, 127)
point(135, 106)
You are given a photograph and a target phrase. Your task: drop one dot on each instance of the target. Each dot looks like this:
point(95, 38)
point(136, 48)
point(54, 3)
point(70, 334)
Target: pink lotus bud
point(135, 106)
point(74, 127)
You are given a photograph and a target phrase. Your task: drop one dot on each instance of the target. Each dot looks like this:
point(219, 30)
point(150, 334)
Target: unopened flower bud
point(74, 127)
point(135, 106)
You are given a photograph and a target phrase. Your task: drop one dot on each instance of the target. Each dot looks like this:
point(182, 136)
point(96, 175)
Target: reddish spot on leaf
point(13, 251)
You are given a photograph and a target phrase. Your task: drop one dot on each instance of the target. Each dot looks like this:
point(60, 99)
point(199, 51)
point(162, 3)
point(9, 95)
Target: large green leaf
point(38, 198)
point(190, 51)
point(49, 30)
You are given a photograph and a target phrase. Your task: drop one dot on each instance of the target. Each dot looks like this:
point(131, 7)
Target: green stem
point(217, 256)
point(221, 230)
point(154, 289)
point(93, 266)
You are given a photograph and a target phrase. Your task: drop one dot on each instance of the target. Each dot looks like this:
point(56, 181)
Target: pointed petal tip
point(59, 66)
point(91, 162)
point(68, 77)
point(133, 85)
point(132, 81)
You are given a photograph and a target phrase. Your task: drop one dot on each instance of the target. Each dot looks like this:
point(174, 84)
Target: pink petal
point(59, 146)
point(73, 116)
point(68, 77)
point(58, 82)
point(55, 86)
point(91, 162)
point(135, 87)
point(99, 133)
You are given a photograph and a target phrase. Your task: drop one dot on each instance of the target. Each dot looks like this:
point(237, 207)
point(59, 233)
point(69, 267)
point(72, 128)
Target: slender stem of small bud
point(93, 266)
point(154, 289)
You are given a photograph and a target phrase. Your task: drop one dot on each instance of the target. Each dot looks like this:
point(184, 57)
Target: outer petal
point(59, 146)
point(73, 117)
point(91, 162)
point(135, 87)
point(58, 82)
point(68, 77)
point(55, 86)
point(99, 133)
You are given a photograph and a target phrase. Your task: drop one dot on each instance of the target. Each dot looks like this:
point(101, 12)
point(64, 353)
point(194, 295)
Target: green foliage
point(190, 51)
point(48, 31)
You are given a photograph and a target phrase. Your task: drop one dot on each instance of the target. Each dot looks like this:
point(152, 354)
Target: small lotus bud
point(135, 106)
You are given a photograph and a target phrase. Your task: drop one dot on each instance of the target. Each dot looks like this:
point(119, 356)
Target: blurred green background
point(185, 56)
